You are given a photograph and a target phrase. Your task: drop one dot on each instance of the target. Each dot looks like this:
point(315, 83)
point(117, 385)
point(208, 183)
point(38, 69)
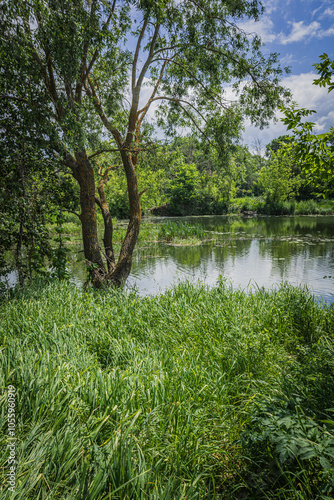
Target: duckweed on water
point(167, 397)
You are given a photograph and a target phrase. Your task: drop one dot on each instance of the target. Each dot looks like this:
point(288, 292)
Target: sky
point(300, 31)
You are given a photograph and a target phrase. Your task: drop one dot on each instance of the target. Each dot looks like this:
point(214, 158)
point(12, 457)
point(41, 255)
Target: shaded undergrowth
point(196, 393)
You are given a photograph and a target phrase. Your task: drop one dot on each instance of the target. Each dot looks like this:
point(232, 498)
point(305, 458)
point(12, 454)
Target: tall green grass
point(166, 397)
point(179, 230)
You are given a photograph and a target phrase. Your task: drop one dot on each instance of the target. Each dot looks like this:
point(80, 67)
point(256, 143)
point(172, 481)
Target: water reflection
point(263, 251)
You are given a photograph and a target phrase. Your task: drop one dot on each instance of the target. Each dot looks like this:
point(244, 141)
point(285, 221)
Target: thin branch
point(27, 101)
point(135, 57)
point(150, 56)
point(97, 104)
point(238, 62)
point(82, 73)
point(52, 87)
point(214, 16)
point(144, 110)
point(97, 201)
point(104, 175)
point(142, 192)
point(174, 99)
point(72, 212)
point(136, 91)
point(166, 48)
point(209, 92)
point(101, 151)
point(96, 52)
point(178, 101)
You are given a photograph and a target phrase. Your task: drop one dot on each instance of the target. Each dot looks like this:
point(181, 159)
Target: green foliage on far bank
point(289, 207)
point(190, 394)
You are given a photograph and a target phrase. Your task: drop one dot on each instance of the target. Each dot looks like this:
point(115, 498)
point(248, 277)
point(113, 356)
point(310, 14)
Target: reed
point(177, 231)
point(166, 397)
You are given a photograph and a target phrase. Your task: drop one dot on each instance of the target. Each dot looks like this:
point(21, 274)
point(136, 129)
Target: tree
point(315, 152)
point(276, 144)
point(276, 177)
point(71, 62)
point(33, 187)
point(248, 167)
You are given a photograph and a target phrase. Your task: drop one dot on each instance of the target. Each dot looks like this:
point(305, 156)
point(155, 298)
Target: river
point(249, 252)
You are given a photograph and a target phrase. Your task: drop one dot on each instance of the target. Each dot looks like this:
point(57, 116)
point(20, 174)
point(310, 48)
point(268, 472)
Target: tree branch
point(97, 201)
point(136, 91)
point(198, 81)
point(150, 56)
point(101, 151)
point(144, 110)
point(82, 73)
point(72, 212)
point(135, 57)
point(97, 104)
point(179, 101)
point(96, 52)
point(142, 192)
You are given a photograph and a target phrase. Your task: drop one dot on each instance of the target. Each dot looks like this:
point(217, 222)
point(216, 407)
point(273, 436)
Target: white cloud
point(300, 31)
point(271, 6)
point(328, 32)
point(263, 28)
point(307, 96)
point(327, 13)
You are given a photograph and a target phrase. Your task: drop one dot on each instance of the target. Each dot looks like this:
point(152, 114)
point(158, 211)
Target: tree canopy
point(88, 72)
point(314, 151)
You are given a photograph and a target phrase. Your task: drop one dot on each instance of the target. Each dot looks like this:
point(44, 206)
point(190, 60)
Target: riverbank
point(249, 205)
point(189, 234)
point(254, 206)
point(196, 393)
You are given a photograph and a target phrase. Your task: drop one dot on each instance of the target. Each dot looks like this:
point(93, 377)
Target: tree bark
point(108, 227)
point(84, 174)
point(122, 270)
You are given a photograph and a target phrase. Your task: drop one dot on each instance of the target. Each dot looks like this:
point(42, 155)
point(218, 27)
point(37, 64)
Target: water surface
point(255, 252)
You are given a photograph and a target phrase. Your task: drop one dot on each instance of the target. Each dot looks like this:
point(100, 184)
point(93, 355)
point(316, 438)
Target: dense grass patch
point(167, 397)
point(177, 231)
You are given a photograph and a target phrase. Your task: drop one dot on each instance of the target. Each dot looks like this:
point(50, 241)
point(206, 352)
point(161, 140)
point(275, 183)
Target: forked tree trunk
point(118, 273)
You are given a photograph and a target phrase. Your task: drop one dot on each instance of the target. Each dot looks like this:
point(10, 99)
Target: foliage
point(315, 152)
point(183, 187)
point(79, 68)
point(276, 144)
point(150, 404)
point(276, 177)
point(58, 259)
point(292, 207)
point(295, 430)
point(29, 194)
point(247, 168)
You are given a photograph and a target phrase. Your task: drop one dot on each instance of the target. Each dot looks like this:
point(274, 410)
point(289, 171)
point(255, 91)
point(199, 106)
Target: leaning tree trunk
point(123, 267)
point(84, 174)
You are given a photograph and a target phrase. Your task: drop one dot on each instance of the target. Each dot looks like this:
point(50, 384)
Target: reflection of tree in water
point(267, 226)
point(204, 257)
point(287, 249)
point(291, 258)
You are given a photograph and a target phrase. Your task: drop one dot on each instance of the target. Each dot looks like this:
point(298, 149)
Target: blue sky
point(300, 31)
